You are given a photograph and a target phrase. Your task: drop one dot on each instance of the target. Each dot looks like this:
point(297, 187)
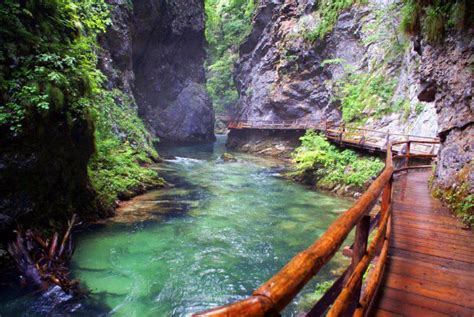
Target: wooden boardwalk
point(430, 268)
point(374, 141)
point(420, 261)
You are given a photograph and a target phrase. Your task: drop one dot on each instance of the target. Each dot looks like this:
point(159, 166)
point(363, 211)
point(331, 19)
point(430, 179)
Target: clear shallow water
point(222, 231)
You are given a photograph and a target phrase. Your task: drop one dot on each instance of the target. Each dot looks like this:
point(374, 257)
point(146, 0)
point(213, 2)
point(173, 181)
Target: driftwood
point(43, 263)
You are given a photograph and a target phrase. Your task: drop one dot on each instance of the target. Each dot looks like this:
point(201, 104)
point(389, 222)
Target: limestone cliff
point(281, 75)
point(154, 50)
point(168, 58)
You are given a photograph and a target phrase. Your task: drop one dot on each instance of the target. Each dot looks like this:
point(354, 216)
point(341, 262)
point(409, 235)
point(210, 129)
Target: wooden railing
point(345, 296)
point(369, 139)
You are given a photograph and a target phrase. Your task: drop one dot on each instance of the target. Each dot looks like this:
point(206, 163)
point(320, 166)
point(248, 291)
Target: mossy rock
point(227, 157)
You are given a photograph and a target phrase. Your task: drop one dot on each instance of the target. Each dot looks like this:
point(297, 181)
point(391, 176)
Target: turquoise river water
point(222, 230)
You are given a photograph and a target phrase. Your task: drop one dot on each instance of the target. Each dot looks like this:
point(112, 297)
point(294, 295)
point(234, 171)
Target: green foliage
point(410, 11)
point(360, 92)
point(419, 107)
point(434, 17)
point(333, 61)
point(47, 60)
point(48, 69)
point(228, 22)
point(458, 197)
point(123, 149)
point(327, 13)
point(433, 23)
point(328, 166)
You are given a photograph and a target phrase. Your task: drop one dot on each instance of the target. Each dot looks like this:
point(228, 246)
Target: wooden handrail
point(274, 295)
point(317, 124)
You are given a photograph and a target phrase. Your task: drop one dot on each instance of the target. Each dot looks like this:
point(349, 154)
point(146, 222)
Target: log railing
point(370, 139)
point(345, 297)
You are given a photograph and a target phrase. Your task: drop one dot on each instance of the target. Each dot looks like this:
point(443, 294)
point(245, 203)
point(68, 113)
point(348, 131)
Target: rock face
point(155, 53)
point(447, 71)
point(116, 57)
point(281, 76)
point(46, 170)
point(168, 58)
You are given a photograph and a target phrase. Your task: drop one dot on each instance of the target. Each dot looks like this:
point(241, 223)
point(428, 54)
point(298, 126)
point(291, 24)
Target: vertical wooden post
point(387, 140)
point(385, 205)
point(342, 132)
point(360, 247)
point(407, 153)
point(386, 196)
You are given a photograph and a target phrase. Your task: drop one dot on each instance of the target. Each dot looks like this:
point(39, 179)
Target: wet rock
point(448, 65)
point(227, 157)
point(155, 53)
point(168, 59)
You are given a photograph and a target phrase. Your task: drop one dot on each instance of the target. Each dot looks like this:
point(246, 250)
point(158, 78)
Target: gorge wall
point(52, 159)
point(156, 51)
point(363, 71)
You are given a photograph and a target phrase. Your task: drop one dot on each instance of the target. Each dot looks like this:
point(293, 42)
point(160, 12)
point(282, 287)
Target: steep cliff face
point(448, 80)
point(168, 58)
point(154, 51)
point(363, 71)
point(46, 171)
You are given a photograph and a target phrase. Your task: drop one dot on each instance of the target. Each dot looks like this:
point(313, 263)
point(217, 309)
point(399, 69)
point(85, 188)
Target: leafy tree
point(227, 24)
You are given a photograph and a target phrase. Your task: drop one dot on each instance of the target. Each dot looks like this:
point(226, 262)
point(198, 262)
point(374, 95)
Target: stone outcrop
point(168, 58)
point(280, 76)
point(155, 53)
point(447, 67)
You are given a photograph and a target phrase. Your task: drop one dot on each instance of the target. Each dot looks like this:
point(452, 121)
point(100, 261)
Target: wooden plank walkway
point(430, 269)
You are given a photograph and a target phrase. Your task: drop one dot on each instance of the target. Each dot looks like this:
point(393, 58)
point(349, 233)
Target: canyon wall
point(284, 74)
point(152, 56)
point(155, 51)
point(168, 59)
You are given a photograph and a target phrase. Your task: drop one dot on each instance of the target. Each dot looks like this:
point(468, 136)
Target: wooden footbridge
point(349, 136)
point(419, 260)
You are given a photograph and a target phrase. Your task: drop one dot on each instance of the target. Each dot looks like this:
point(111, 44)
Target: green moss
point(458, 197)
point(123, 150)
point(327, 14)
point(324, 164)
point(434, 18)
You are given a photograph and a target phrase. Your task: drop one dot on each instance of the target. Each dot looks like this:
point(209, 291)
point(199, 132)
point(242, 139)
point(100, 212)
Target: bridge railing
point(345, 296)
point(347, 134)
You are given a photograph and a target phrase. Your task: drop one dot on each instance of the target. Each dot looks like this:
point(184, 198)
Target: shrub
point(359, 92)
point(410, 17)
point(328, 166)
point(328, 11)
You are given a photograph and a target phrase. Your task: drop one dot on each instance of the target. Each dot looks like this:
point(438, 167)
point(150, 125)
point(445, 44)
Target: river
point(218, 233)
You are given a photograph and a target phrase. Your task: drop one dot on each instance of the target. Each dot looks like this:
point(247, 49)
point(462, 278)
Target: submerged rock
point(227, 157)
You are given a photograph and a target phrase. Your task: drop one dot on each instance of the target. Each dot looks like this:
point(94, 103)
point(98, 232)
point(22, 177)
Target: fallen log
point(43, 263)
